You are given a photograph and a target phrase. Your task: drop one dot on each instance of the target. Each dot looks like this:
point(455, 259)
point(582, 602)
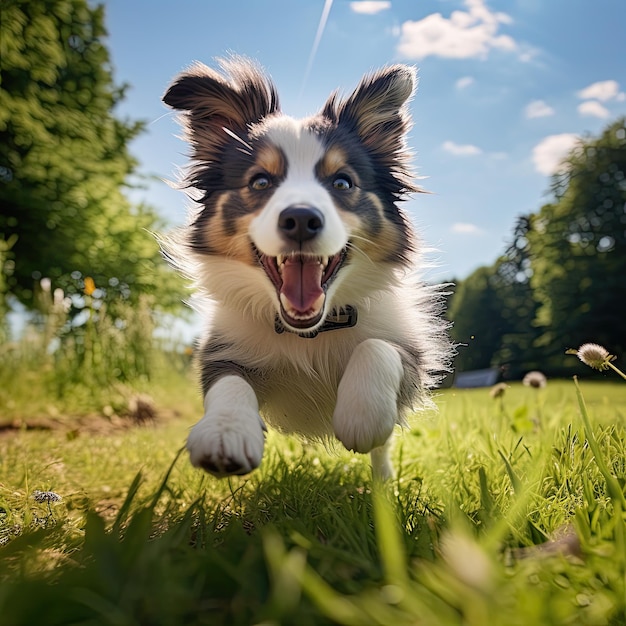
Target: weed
point(596, 357)
point(91, 361)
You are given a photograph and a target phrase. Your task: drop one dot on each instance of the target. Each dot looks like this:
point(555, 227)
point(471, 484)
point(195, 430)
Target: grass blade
point(614, 490)
point(389, 538)
point(125, 508)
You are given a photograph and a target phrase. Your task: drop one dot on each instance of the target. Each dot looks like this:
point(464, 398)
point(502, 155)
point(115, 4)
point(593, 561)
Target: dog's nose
point(300, 222)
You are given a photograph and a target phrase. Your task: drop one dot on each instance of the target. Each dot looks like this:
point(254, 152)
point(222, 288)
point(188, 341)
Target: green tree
point(578, 249)
point(513, 271)
point(65, 163)
point(476, 311)
point(493, 311)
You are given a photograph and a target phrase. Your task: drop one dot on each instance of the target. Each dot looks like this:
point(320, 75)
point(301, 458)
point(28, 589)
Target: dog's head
point(301, 201)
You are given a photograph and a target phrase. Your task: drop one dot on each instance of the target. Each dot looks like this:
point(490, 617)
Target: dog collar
point(345, 317)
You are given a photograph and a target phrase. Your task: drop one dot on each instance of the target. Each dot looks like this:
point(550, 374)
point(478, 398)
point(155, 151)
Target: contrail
point(318, 36)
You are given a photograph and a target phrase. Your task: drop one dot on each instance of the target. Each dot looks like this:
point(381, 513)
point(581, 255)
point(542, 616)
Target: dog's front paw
point(367, 398)
point(230, 438)
point(227, 444)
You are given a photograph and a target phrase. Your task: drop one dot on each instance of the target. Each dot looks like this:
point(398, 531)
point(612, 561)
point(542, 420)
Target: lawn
point(504, 511)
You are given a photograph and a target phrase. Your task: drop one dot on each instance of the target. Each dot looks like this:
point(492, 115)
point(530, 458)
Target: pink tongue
point(302, 282)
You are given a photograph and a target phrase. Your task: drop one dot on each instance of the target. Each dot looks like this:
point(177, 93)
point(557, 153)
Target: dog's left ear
point(215, 102)
point(377, 109)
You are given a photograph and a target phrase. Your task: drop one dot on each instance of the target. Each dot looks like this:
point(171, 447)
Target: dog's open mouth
point(301, 282)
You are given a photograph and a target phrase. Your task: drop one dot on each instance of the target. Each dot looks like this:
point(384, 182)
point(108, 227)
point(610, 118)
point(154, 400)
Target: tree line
point(561, 281)
point(65, 166)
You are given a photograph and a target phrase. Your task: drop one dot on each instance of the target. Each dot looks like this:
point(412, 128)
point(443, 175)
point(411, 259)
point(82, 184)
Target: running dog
point(319, 324)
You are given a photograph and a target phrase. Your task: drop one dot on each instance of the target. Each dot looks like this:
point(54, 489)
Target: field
point(504, 511)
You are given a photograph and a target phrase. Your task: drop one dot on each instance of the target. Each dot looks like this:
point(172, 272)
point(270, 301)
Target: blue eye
point(260, 182)
point(342, 183)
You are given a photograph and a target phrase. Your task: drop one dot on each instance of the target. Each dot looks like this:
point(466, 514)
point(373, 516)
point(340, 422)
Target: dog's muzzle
point(301, 278)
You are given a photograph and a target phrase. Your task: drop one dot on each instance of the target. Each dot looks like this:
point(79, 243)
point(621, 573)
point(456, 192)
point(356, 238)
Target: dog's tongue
point(302, 282)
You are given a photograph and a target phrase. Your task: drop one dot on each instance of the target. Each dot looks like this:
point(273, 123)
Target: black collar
point(345, 317)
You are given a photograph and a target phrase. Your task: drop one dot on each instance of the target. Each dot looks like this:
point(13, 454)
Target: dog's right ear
point(215, 102)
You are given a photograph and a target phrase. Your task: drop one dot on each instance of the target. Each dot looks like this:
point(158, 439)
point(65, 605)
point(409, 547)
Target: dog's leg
point(367, 401)
point(381, 464)
point(229, 439)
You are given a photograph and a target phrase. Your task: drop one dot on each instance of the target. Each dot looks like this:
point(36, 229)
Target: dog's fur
point(298, 226)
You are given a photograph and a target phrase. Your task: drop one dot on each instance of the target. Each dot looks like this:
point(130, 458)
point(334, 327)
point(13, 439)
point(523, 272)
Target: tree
point(65, 163)
point(476, 310)
point(577, 249)
point(562, 280)
point(513, 271)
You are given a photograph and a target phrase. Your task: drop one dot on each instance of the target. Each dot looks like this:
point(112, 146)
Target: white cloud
point(463, 228)
point(602, 90)
point(461, 149)
point(464, 35)
point(370, 7)
point(464, 82)
point(538, 108)
point(595, 94)
point(550, 152)
point(593, 108)
point(528, 53)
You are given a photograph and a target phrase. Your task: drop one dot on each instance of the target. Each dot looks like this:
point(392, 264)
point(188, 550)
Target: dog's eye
point(342, 182)
point(260, 182)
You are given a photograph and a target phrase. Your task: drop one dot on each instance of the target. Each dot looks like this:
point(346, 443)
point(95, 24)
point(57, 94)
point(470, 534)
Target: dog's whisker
point(362, 238)
point(358, 250)
point(236, 137)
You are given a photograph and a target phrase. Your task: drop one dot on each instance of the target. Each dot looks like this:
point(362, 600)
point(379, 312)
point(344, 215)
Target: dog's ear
point(215, 102)
point(377, 109)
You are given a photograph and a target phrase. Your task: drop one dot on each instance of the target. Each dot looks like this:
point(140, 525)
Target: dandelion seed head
point(46, 496)
point(535, 379)
point(594, 356)
point(467, 560)
point(497, 391)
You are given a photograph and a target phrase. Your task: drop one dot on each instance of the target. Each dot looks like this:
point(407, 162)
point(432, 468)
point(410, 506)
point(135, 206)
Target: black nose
point(300, 222)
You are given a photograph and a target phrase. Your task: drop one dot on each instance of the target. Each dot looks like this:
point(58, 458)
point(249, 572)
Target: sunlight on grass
point(92, 362)
point(500, 514)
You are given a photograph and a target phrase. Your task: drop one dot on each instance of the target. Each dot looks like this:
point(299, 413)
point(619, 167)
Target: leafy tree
point(476, 310)
point(6, 266)
point(577, 249)
point(513, 272)
point(561, 282)
point(493, 311)
point(64, 160)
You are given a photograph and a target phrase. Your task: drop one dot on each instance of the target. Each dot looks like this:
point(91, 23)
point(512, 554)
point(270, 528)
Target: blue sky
point(505, 88)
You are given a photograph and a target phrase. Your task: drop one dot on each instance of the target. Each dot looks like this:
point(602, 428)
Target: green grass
point(62, 367)
point(140, 537)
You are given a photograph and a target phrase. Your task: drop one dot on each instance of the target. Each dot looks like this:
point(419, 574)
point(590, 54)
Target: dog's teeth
point(313, 311)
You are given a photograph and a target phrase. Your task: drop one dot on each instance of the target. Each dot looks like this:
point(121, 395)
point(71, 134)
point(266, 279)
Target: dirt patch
point(141, 411)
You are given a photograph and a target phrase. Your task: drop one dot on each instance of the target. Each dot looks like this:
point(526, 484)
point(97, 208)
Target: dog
point(319, 325)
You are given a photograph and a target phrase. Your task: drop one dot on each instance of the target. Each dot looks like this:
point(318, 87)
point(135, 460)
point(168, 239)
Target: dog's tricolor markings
point(297, 231)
